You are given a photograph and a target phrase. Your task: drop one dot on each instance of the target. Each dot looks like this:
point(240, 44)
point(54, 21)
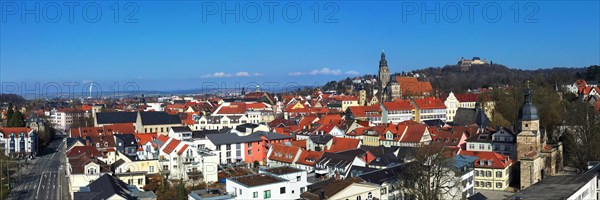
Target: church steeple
point(528, 115)
point(382, 62)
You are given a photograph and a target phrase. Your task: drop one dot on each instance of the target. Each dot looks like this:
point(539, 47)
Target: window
point(476, 172)
point(476, 183)
point(489, 173)
point(249, 152)
point(498, 185)
point(298, 178)
point(357, 197)
point(370, 195)
point(498, 174)
point(255, 195)
point(302, 190)
point(282, 190)
point(240, 192)
point(489, 184)
point(140, 181)
point(151, 169)
point(267, 194)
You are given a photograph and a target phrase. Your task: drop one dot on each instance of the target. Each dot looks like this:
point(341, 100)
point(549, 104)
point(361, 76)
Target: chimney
point(322, 195)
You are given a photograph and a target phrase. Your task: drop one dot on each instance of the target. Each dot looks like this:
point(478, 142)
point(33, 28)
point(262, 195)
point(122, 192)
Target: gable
point(355, 189)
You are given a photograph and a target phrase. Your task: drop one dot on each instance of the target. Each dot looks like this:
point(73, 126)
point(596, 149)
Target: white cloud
point(241, 74)
point(351, 72)
point(226, 75)
point(324, 71)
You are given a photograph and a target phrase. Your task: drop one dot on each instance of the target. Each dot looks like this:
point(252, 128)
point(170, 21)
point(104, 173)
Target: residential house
point(104, 187)
point(397, 111)
point(183, 133)
point(336, 165)
point(18, 142)
point(182, 159)
point(492, 170)
point(266, 186)
point(126, 144)
point(429, 108)
point(352, 188)
point(134, 171)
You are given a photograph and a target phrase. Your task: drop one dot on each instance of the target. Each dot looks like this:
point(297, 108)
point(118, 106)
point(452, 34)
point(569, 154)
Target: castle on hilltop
point(465, 64)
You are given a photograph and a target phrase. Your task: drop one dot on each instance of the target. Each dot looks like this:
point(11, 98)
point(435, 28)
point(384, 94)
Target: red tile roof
point(411, 133)
point(343, 144)
point(183, 148)
point(144, 138)
point(90, 151)
point(361, 111)
point(163, 138)
point(330, 119)
point(282, 153)
point(299, 143)
point(412, 86)
point(499, 161)
point(429, 103)
point(309, 158)
point(120, 128)
point(171, 146)
point(467, 97)
point(7, 131)
point(398, 105)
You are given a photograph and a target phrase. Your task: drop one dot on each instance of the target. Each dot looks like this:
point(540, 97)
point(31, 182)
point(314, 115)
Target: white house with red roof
point(406, 134)
point(18, 141)
point(397, 111)
point(182, 159)
point(147, 147)
point(219, 122)
point(455, 101)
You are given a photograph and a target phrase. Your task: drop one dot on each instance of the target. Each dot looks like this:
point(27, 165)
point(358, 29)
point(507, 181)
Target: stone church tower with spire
point(388, 88)
point(529, 143)
point(384, 77)
point(536, 158)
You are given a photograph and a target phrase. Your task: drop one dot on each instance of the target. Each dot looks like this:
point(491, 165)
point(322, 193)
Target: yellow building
point(492, 170)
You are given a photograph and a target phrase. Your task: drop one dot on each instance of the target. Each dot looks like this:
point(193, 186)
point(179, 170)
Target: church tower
point(384, 75)
point(529, 143)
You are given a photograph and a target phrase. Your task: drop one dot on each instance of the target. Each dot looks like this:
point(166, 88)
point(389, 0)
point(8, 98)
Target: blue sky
point(183, 44)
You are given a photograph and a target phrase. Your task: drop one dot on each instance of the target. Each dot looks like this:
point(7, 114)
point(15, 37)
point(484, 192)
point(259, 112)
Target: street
point(42, 178)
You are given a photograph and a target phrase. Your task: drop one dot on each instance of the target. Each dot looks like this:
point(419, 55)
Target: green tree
point(181, 193)
point(17, 120)
point(9, 115)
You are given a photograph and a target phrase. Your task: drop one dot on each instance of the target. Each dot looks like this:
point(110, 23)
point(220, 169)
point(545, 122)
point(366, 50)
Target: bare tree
point(581, 133)
point(432, 175)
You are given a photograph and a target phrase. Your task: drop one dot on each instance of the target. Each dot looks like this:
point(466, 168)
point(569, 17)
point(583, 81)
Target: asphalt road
point(42, 178)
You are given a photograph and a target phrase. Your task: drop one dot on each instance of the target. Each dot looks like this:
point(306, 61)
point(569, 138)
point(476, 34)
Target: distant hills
point(11, 98)
point(452, 78)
